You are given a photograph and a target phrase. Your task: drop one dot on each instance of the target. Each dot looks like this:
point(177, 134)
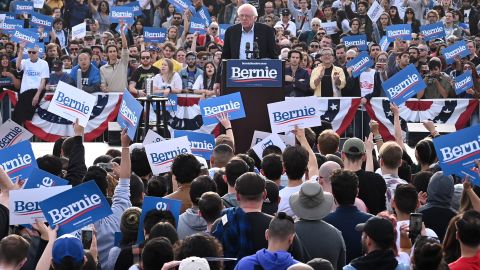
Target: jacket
point(379, 260)
point(267, 260)
point(302, 20)
point(93, 83)
point(264, 35)
point(300, 87)
point(76, 169)
point(106, 227)
point(352, 87)
point(190, 223)
point(184, 75)
point(318, 88)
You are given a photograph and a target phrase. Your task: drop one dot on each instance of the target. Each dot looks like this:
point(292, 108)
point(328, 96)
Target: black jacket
point(264, 35)
point(76, 169)
point(473, 18)
point(352, 87)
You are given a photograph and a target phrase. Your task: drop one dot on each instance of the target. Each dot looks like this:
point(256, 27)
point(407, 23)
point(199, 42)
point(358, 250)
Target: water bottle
point(148, 86)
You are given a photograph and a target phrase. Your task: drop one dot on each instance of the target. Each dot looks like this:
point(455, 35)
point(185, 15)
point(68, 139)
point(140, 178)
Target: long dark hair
point(341, 15)
point(395, 19)
point(405, 18)
point(8, 67)
point(99, 10)
point(207, 85)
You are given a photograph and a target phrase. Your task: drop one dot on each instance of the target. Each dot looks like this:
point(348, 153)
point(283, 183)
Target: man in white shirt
point(287, 24)
point(404, 203)
point(298, 161)
point(35, 75)
point(390, 160)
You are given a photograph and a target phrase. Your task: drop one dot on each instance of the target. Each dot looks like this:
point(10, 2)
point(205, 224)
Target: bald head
point(325, 172)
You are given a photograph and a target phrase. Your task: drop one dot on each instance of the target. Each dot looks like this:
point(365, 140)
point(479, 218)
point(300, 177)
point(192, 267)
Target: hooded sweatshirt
point(190, 223)
point(437, 212)
point(378, 259)
point(277, 260)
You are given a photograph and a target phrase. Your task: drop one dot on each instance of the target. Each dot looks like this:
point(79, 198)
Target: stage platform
point(92, 150)
point(95, 149)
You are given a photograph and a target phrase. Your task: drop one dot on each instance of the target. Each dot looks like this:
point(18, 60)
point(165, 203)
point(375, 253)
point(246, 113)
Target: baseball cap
point(152, 48)
point(285, 12)
point(67, 245)
point(194, 263)
point(379, 229)
point(190, 53)
point(354, 146)
point(250, 184)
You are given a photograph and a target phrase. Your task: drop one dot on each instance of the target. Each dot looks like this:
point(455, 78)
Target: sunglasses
point(314, 46)
point(321, 33)
point(145, 57)
point(350, 58)
point(212, 47)
point(32, 52)
point(214, 28)
point(73, 49)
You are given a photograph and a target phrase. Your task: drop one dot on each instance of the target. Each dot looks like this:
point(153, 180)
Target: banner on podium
point(254, 73)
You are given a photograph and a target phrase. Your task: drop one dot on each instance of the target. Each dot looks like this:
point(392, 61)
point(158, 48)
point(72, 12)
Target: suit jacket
point(472, 20)
point(263, 34)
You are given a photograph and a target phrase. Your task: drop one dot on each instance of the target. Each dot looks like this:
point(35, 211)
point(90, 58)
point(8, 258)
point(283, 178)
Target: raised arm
point(312, 160)
point(126, 165)
point(46, 258)
point(397, 126)
point(18, 63)
point(227, 125)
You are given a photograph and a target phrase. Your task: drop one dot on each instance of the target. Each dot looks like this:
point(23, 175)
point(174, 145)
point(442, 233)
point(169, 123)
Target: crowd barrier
point(347, 116)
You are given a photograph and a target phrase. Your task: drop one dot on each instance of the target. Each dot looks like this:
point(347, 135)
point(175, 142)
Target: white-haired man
point(248, 31)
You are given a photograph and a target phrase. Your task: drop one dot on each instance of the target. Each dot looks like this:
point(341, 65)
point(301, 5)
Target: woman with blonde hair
point(167, 81)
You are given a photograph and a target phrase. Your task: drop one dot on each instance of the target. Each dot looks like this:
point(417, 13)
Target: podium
point(260, 82)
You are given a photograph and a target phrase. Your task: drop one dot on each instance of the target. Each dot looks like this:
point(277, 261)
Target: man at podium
point(248, 39)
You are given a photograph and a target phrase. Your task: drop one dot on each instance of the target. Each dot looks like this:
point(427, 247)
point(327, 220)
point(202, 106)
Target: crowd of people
point(308, 36)
point(315, 205)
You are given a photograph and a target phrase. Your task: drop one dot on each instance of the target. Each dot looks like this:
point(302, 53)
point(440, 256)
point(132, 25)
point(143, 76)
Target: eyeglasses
point(315, 24)
point(380, 60)
point(32, 52)
point(245, 16)
point(145, 57)
point(467, 67)
point(214, 28)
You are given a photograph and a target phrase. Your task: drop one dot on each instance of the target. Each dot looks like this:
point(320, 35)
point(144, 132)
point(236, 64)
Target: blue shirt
point(345, 218)
point(246, 37)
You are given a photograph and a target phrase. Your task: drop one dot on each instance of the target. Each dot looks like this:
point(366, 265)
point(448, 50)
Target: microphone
point(247, 50)
point(79, 78)
point(256, 52)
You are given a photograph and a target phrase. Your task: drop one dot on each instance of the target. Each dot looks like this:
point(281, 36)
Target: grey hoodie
point(190, 223)
point(440, 191)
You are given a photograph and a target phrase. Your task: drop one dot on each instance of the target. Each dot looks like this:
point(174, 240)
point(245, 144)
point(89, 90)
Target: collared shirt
point(246, 37)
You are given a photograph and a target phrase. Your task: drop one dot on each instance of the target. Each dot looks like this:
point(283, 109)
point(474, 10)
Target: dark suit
point(472, 20)
point(264, 35)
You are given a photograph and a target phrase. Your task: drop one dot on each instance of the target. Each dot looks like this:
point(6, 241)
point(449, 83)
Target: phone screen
point(87, 238)
point(415, 224)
